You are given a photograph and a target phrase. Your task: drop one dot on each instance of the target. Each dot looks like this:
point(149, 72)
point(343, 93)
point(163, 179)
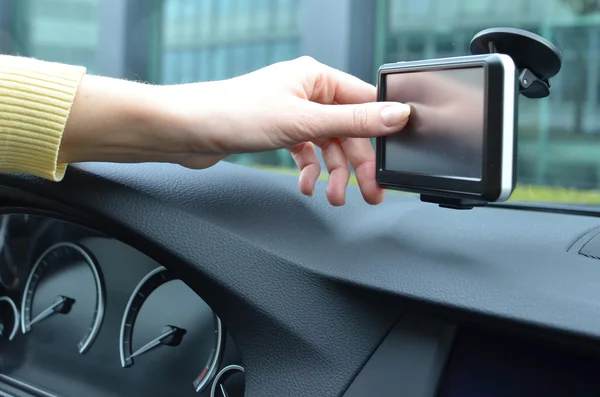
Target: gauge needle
point(223, 392)
point(61, 305)
point(171, 336)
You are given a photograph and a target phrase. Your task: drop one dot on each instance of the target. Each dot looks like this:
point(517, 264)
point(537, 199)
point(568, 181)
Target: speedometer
point(152, 327)
point(49, 298)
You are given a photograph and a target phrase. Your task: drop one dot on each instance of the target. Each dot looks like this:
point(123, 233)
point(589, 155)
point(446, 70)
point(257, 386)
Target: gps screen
point(445, 133)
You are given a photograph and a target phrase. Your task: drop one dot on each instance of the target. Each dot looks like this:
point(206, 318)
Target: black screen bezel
point(490, 186)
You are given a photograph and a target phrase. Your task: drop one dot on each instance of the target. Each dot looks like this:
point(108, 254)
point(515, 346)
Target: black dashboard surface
point(307, 291)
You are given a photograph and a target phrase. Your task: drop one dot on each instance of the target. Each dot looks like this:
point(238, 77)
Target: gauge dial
point(48, 299)
point(229, 382)
point(151, 326)
point(9, 318)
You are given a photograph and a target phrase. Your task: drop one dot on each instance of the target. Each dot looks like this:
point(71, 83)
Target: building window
point(246, 41)
point(203, 56)
point(445, 46)
point(171, 10)
point(188, 67)
point(284, 51)
point(224, 7)
point(170, 67)
point(257, 55)
point(219, 64)
point(415, 47)
point(475, 7)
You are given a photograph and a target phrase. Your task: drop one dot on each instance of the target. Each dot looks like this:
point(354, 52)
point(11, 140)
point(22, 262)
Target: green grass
point(523, 193)
point(547, 194)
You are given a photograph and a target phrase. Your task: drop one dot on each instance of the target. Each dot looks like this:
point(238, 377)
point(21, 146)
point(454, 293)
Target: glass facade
point(61, 30)
point(217, 39)
point(178, 41)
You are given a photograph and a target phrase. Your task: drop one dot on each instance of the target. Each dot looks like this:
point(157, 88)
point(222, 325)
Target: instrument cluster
point(84, 314)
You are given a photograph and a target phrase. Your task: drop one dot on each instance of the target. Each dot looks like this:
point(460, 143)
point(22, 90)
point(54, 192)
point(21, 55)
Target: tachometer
point(65, 280)
point(229, 382)
point(151, 324)
point(9, 318)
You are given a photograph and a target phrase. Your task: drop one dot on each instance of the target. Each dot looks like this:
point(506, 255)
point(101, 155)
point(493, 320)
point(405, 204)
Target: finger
point(366, 120)
point(332, 85)
point(361, 156)
point(339, 171)
point(305, 157)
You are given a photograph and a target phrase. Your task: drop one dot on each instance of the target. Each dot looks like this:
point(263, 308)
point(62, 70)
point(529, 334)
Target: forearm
point(121, 121)
point(53, 114)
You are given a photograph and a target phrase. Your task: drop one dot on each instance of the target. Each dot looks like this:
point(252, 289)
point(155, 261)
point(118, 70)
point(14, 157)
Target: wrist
point(196, 119)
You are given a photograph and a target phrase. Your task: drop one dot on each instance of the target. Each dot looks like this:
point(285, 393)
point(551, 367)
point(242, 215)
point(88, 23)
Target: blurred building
point(212, 40)
point(175, 41)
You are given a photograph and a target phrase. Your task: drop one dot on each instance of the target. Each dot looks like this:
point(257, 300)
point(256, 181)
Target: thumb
point(366, 120)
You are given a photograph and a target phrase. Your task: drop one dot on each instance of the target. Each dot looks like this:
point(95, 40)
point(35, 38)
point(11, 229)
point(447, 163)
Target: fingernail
point(394, 115)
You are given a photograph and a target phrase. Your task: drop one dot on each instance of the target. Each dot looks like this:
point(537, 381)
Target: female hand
point(295, 105)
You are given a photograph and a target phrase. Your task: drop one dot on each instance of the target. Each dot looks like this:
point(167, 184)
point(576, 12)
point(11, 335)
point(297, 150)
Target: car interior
point(158, 280)
point(405, 298)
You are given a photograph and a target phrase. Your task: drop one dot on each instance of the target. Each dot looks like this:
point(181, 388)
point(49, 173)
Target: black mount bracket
point(452, 203)
point(537, 61)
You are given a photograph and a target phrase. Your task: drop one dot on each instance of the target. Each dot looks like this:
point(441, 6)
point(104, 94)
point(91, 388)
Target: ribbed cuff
point(35, 101)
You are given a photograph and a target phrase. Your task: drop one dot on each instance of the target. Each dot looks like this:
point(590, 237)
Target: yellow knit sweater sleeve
point(35, 101)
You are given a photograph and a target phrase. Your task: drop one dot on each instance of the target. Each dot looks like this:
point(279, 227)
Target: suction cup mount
point(536, 59)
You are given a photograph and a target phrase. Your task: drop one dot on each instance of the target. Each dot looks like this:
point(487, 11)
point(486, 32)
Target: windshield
point(175, 41)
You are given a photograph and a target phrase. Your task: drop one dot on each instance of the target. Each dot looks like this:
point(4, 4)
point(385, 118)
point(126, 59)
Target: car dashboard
point(80, 308)
point(154, 279)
